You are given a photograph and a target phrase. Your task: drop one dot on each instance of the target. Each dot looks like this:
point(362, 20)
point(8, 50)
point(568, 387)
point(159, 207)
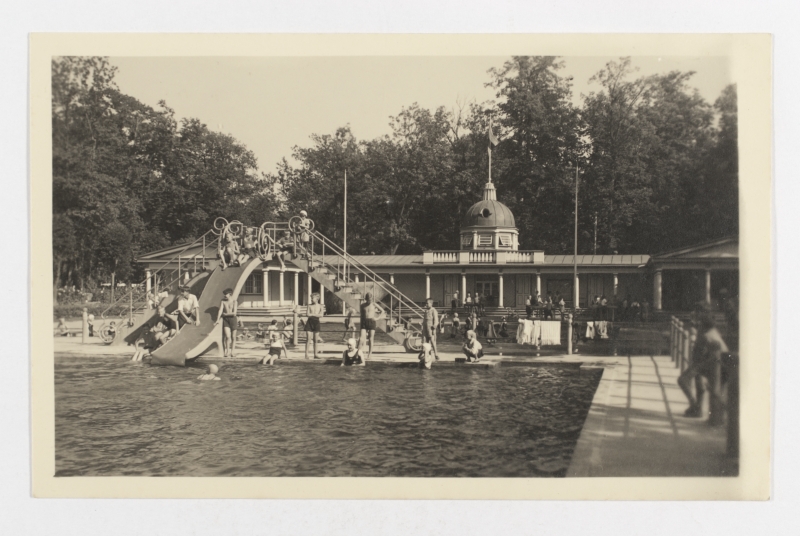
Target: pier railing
point(683, 337)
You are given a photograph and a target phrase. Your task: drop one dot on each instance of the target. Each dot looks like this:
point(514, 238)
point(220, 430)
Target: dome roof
point(488, 213)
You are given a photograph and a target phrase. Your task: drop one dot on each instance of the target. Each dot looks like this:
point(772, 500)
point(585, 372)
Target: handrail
point(166, 263)
point(385, 285)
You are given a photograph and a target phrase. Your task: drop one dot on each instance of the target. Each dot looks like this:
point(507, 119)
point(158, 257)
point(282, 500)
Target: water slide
point(193, 341)
point(143, 318)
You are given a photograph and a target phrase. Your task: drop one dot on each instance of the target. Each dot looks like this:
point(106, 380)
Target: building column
point(463, 286)
point(265, 287)
point(148, 284)
point(427, 284)
point(538, 283)
point(322, 294)
point(308, 289)
point(500, 289)
point(657, 290)
point(280, 287)
point(296, 288)
point(475, 240)
point(616, 283)
point(708, 287)
point(577, 296)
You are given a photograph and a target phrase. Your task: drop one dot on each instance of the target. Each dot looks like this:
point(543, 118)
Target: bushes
point(75, 310)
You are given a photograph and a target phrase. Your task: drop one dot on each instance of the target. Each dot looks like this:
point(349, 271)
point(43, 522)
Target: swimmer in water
point(426, 356)
point(352, 356)
point(211, 373)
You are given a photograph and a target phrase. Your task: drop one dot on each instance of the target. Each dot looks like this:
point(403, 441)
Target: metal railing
point(348, 271)
point(683, 338)
point(178, 262)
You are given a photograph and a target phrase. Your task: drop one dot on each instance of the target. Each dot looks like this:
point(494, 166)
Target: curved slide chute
point(170, 303)
point(193, 341)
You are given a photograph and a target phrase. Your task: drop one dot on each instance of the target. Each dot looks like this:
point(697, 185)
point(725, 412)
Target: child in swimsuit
point(313, 327)
point(352, 355)
point(227, 315)
point(275, 344)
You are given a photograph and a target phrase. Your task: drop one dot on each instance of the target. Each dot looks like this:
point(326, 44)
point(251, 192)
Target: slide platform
point(193, 341)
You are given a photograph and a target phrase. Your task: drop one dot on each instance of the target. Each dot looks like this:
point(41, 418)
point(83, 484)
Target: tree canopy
point(657, 164)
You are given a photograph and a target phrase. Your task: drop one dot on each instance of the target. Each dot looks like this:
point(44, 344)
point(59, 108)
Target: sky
point(274, 103)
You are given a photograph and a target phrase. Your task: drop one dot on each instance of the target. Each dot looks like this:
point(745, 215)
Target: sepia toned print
point(518, 268)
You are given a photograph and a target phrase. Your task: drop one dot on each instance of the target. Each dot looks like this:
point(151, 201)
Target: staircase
point(349, 280)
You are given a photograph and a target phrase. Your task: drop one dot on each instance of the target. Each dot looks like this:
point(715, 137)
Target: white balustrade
point(445, 256)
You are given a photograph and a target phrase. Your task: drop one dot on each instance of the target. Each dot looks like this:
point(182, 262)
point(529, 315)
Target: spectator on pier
point(479, 303)
point(529, 306)
point(504, 328)
point(596, 308)
point(456, 328)
point(472, 348)
point(603, 307)
point(430, 324)
point(454, 302)
point(705, 362)
point(352, 356)
point(561, 305)
point(468, 303)
point(90, 321)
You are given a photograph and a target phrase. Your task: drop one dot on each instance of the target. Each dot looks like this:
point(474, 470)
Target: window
point(466, 240)
point(254, 284)
point(505, 240)
point(485, 240)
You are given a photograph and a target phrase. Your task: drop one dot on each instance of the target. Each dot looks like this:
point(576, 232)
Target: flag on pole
point(492, 138)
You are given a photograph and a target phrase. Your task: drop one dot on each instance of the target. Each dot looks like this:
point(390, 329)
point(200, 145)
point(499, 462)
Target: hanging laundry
point(551, 333)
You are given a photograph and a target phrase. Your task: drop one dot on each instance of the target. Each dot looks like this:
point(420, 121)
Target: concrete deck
point(635, 426)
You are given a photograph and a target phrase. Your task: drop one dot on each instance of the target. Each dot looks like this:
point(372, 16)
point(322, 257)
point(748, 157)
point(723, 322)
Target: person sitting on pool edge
point(275, 344)
point(352, 356)
point(472, 348)
point(211, 373)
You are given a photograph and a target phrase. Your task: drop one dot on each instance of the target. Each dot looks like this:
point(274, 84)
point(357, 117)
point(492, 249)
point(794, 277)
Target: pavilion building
point(490, 262)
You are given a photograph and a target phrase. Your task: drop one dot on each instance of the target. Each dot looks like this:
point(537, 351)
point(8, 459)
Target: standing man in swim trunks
point(188, 308)
point(429, 325)
point(227, 314)
point(313, 327)
point(370, 313)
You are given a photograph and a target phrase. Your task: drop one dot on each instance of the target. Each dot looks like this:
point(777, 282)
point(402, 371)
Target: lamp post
point(575, 255)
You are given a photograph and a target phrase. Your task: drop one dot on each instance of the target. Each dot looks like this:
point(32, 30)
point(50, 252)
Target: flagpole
point(345, 224)
point(490, 164)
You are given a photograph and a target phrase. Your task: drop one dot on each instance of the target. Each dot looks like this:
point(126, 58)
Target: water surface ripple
point(114, 417)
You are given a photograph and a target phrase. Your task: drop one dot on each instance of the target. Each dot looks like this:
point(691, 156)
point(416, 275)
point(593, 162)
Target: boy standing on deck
point(227, 314)
point(370, 312)
point(430, 324)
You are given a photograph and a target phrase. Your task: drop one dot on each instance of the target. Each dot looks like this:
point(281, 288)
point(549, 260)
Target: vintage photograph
point(489, 266)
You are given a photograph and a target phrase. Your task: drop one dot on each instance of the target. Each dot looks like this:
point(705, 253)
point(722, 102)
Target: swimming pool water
point(115, 417)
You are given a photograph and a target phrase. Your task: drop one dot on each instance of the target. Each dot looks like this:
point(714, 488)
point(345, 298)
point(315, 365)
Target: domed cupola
point(489, 224)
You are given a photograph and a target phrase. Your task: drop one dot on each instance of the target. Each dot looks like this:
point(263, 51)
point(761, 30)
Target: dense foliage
point(657, 166)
